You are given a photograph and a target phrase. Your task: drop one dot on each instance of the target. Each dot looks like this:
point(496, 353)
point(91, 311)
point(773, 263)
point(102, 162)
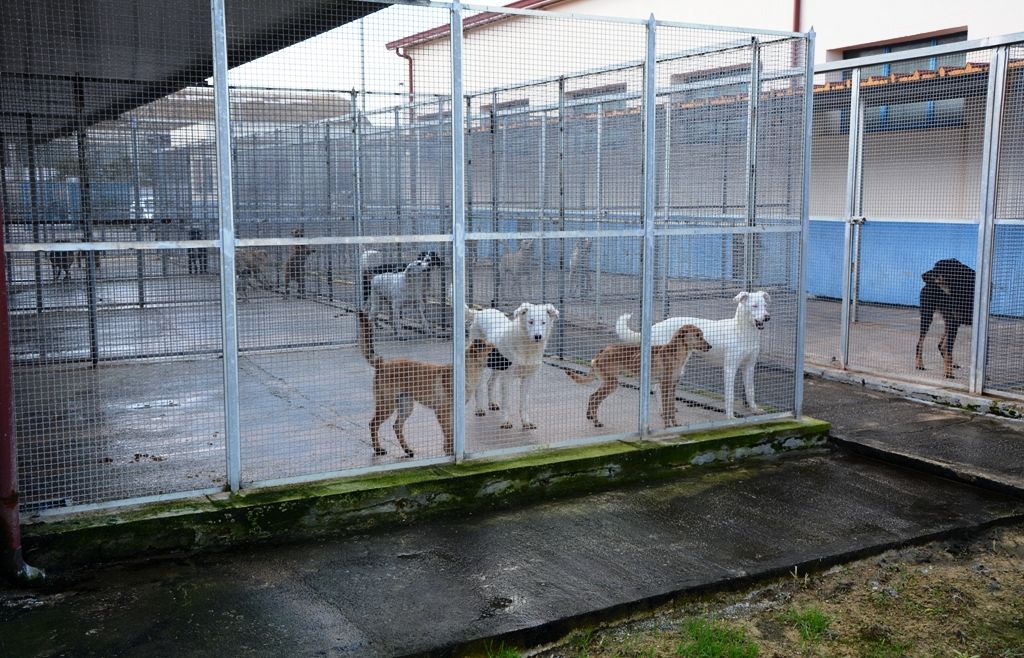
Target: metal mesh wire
point(1005, 342)
point(342, 184)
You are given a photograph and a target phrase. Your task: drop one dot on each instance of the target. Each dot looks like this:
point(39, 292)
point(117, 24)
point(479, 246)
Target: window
point(712, 83)
point(917, 115)
point(609, 96)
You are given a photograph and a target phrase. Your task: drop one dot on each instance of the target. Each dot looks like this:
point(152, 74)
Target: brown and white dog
point(398, 383)
point(666, 362)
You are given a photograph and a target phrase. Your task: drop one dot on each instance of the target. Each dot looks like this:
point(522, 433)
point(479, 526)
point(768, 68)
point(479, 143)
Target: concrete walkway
point(982, 449)
point(528, 575)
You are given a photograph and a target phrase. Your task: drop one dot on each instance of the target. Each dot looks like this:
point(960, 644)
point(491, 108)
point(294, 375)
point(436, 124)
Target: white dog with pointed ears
point(522, 341)
point(735, 342)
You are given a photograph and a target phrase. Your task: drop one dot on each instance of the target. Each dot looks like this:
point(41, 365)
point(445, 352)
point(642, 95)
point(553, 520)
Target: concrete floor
point(138, 427)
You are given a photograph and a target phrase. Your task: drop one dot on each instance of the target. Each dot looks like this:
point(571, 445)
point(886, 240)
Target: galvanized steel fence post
point(853, 178)
point(753, 104)
point(226, 215)
point(805, 222)
point(458, 238)
point(137, 215)
point(647, 214)
point(994, 100)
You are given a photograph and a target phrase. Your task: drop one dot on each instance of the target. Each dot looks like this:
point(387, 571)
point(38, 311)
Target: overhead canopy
point(66, 63)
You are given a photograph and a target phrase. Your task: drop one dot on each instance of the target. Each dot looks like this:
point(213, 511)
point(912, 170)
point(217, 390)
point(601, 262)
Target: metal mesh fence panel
point(916, 164)
point(1005, 330)
point(343, 232)
point(830, 145)
point(117, 378)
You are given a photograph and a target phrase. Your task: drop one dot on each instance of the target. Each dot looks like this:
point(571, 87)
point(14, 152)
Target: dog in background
point(62, 261)
point(251, 268)
point(371, 263)
point(735, 342)
point(399, 289)
point(295, 265)
point(948, 289)
point(399, 383)
point(514, 267)
point(521, 341)
point(579, 268)
point(198, 257)
point(666, 363)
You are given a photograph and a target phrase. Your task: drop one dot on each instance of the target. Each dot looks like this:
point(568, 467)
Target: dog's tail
point(470, 314)
point(366, 339)
point(624, 332)
point(582, 379)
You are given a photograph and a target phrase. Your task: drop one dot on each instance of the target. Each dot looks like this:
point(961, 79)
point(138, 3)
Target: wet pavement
point(973, 447)
point(524, 574)
point(527, 575)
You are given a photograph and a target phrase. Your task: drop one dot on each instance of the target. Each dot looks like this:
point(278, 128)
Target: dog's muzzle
point(538, 337)
point(760, 323)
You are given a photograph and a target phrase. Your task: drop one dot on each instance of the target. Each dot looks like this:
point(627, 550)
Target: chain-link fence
point(468, 266)
point(913, 265)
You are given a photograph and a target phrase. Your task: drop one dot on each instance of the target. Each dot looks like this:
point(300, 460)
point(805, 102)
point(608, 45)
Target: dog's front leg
point(506, 391)
point(524, 387)
point(478, 394)
point(495, 381)
point(748, 383)
point(729, 381)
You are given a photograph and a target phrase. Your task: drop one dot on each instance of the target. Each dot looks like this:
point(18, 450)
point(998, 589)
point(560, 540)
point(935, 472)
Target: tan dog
point(666, 362)
point(251, 266)
point(295, 266)
point(397, 383)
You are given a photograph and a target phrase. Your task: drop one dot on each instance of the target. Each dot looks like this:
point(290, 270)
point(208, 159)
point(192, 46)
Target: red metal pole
point(12, 564)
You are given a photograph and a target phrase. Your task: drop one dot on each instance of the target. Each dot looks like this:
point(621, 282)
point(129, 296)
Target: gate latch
point(857, 221)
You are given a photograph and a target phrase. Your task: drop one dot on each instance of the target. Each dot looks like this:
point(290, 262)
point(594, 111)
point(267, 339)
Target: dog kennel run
point(184, 261)
point(918, 157)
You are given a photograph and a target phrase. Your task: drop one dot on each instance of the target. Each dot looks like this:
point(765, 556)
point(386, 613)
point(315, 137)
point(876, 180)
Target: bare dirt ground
point(954, 598)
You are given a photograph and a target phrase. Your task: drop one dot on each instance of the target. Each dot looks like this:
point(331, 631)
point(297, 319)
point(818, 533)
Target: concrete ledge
point(354, 504)
point(953, 471)
point(943, 397)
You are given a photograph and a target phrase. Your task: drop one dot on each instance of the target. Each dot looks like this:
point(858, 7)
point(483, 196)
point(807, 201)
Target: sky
point(331, 60)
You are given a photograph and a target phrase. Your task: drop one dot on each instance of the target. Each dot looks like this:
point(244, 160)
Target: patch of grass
point(884, 648)
point(501, 651)
point(711, 639)
point(810, 622)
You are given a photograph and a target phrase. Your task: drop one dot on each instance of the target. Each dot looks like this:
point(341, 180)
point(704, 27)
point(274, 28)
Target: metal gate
point(914, 157)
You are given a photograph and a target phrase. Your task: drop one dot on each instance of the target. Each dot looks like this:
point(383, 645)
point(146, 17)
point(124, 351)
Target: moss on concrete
point(359, 503)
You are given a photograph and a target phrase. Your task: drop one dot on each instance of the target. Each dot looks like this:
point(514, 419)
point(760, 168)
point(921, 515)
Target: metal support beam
point(649, 208)
point(137, 218)
point(458, 237)
point(753, 106)
point(12, 564)
point(85, 217)
point(853, 164)
point(226, 214)
point(987, 226)
point(805, 224)
point(560, 327)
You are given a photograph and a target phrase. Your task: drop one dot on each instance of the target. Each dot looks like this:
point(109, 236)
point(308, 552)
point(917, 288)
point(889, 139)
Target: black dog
point(198, 257)
point(948, 289)
point(432, 259)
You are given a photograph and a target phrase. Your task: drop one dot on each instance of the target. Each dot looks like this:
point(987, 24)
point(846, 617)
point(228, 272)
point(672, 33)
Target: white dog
point(521, 341)
point(735, 342)
point(398, 289)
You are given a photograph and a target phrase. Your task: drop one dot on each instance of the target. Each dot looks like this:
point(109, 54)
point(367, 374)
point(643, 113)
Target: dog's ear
point(552, 311)
point(767, 297)
point(521, 311)
point(740, 297)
